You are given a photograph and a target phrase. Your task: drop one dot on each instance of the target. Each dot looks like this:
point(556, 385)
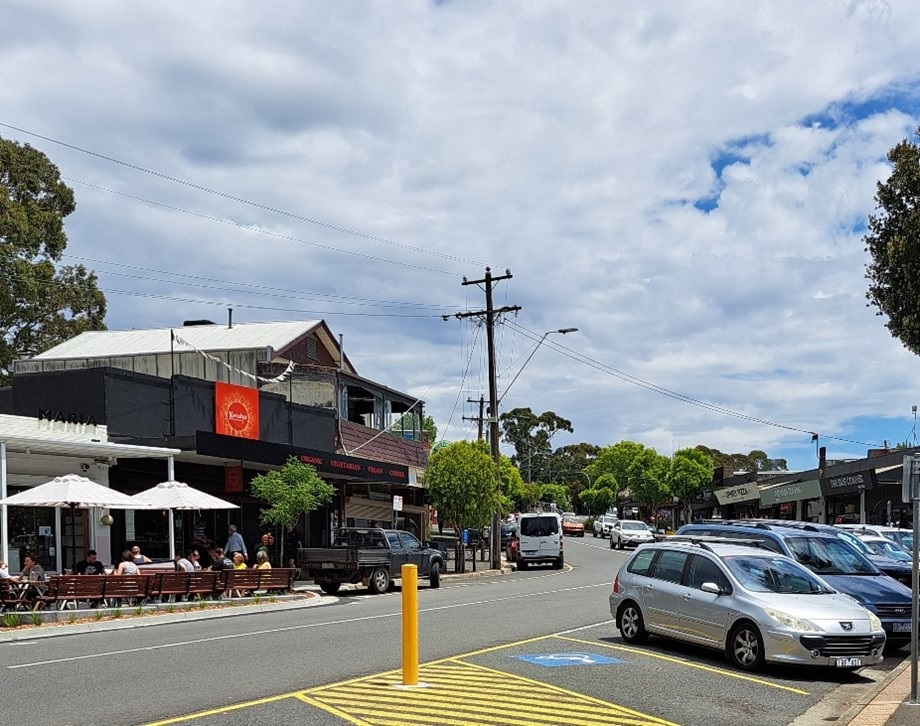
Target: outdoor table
point(23, 589)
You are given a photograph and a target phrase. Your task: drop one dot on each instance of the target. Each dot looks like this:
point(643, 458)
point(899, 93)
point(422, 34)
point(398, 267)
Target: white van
point(539, 540)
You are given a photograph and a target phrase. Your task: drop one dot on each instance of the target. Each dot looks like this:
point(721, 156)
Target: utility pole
point(490, 313)
point(478, 419)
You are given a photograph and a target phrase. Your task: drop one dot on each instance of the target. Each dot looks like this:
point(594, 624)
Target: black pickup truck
point(370, 556)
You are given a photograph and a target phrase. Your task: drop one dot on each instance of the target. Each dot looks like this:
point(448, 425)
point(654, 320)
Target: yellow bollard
point(410, 624)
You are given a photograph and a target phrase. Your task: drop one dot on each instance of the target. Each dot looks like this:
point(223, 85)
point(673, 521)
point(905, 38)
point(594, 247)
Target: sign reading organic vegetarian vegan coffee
point(236, 411)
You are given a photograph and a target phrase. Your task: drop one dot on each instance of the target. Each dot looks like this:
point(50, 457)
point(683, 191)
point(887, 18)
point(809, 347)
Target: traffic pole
point(410, 625)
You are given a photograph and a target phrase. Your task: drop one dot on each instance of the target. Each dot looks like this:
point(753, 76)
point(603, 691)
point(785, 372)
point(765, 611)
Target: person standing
point(89, 566)
point(235, 542)
point(292, 542)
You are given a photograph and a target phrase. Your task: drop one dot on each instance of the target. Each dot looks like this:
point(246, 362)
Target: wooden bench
point(64, 590)
point(168, 586)
point(126, 589)
point(203, 583)
point(237, 583)
point(276, 580)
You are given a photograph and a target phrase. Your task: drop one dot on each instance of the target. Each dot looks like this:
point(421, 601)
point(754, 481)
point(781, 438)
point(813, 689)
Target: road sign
point(910, 479)
point(397, 503)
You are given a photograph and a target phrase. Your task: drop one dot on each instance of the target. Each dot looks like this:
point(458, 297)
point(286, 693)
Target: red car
point(573, 527)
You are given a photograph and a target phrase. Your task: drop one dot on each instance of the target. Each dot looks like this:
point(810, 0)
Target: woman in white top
point(126, 566)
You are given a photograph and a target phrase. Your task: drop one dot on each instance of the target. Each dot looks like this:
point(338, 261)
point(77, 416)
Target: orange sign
point(233, 479)
point(236, 411)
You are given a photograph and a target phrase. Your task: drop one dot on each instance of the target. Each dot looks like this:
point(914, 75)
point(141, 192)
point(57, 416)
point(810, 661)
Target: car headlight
point(788, 621)
point(874, 622)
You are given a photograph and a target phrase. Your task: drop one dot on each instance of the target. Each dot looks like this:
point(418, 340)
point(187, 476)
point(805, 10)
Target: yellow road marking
point(688, 664)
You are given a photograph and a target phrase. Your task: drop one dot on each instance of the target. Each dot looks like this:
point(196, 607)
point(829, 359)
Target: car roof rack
point(759, 523)
point(706, 539)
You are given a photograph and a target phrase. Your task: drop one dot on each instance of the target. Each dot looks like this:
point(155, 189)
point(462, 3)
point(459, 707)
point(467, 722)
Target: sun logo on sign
point(237, 410)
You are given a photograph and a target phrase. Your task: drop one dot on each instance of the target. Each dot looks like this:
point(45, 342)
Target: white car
point(903, 537)
point(630, 533)
point(603, 525)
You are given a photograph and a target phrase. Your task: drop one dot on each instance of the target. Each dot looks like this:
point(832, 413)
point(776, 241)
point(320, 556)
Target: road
point(531, 647)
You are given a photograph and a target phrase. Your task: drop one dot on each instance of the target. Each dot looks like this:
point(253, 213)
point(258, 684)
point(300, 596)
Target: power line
point(242, 200)
point(639, 382)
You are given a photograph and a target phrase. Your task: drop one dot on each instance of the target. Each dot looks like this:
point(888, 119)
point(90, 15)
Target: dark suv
point(832, 559)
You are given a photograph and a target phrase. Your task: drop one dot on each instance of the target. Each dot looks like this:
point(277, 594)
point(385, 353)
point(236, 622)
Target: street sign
point(910, 479)
point(397, 503)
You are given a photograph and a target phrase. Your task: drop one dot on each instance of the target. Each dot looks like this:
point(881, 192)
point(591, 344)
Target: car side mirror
point(712, 588)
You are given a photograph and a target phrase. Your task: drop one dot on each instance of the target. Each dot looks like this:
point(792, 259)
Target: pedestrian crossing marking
point(457, 693)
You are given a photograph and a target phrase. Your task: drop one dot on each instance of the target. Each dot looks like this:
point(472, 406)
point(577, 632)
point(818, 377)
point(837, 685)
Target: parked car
point(884, 546)
point(832, 559)
point(755, 605)
point(507, 532)
point(603, 524)
point(889, 565)
point(904, 537)
point(573, 526)
point(630, 533)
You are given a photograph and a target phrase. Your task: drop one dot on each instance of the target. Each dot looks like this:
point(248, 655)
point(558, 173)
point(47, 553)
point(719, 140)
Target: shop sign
point(236, 411)
point(233, 479)
point(50, 419)
point(794, 492)
point(856, 481)
point(740, 493)
point(359, 467)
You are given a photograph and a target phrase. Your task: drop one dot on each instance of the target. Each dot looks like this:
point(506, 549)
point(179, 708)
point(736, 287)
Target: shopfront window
point(31, 532)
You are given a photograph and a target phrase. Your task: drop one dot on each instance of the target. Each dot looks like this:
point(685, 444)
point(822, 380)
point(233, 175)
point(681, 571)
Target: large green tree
point(893, 242)
point(530, 435)
point(461, 480)
point(41, 303)
point(756, 460)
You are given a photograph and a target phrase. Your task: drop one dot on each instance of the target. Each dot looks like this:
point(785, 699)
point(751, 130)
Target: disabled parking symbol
point(558, 660)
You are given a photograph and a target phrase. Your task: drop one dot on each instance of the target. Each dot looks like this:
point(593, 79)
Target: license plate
point(848, 662)
point(530, 552)
point(327, 565)
point(900, 627)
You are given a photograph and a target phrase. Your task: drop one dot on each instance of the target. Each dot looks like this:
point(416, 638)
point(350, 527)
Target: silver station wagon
point(753, 604)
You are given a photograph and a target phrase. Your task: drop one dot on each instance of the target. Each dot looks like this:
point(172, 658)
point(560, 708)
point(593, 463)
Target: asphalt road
point(530, 647)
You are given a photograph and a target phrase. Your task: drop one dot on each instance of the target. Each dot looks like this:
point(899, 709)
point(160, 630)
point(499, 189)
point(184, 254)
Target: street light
point(561, 331)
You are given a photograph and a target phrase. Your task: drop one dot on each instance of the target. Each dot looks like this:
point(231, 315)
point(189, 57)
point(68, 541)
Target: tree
point(294, 490)
point(41, 305)
point(601, 496)
point(756, 460)
point(530, 435)
point(461, 483)
point(893, 242)
point(555, 493)
point(615, 460)
point(513, 489)
point(648, 479)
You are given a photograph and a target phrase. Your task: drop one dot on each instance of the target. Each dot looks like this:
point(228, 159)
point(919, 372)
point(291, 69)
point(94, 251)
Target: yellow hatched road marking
point(456, 693)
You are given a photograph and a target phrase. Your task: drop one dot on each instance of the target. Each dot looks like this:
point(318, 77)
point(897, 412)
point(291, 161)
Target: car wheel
point(595, 534)
point(522, 564)
point(619, 543)
point(380, 581)
point(631, 624)
point(745, 647)
point(434, 575)
point(559, 563)
point(330, 588)
point(611, 543)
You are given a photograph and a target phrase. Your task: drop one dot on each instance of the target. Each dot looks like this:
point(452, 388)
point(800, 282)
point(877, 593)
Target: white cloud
point(568, 143)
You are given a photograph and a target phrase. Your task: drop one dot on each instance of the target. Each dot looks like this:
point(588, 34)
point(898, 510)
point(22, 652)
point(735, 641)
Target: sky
point(687, 184)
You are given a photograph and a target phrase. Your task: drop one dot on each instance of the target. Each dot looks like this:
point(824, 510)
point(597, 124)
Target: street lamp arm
point(561, 331)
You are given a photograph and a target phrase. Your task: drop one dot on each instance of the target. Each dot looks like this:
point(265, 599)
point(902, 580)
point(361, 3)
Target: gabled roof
point(242, 336)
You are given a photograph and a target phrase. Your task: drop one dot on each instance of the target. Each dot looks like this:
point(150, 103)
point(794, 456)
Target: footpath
point(886, 704)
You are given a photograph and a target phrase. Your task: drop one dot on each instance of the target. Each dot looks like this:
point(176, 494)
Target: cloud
point(688, 187)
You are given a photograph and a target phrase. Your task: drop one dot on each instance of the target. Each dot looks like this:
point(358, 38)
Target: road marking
point(689, 664)
point(464, 694)
point(557, 660)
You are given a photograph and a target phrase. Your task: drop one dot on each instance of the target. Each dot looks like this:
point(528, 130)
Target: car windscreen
point(539, 526)
point(774, 574)
point(634, 525)
point(829, 556)
point(890, 549)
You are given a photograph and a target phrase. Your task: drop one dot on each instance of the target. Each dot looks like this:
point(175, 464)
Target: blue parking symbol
point(557, 660)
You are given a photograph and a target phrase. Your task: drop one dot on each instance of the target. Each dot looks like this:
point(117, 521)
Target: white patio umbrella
point(173, 495)
point(72, 491)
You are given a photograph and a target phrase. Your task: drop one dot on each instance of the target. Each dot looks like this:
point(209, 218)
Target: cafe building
point(235, 401)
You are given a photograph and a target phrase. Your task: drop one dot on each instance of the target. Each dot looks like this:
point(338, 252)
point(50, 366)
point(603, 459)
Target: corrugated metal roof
point(242, 336)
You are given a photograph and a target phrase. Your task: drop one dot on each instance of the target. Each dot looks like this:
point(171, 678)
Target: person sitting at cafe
point(137, 558)
point(126, 566)
point(262, 562)
point(220, 561)
point(32, 570)
point(89, 566)
point(239, 563)
point(5, 571)
point(184, 563)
